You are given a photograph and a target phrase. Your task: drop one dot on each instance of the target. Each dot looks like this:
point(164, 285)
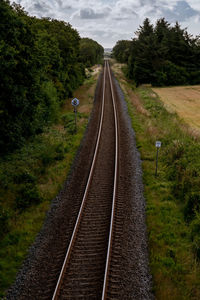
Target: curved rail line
point(80, 214)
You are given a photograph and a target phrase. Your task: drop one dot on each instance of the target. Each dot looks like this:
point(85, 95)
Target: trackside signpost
point(158, 146)
point(75, 103)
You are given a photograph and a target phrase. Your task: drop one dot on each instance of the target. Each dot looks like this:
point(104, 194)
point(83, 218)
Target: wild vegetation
point(161, 55)
point(173, 197)
point(41, 68)
point(41, 64)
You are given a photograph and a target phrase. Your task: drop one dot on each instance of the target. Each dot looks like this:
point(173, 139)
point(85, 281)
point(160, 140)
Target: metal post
point(75, 112)
point(158, 145)
point(156, 173)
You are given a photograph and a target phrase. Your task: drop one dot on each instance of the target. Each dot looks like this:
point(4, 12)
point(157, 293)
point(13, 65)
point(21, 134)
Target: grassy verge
point(172, 197)
point(32, 176)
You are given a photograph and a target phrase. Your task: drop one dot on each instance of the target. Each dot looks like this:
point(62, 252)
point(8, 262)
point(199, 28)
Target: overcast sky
point(108, 21)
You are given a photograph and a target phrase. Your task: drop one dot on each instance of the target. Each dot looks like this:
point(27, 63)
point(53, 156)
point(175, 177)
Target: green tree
point(121, 51)
point(41, 64)
point(19, 78)
point(164, 55)
point(91, 52)
point(141, 60)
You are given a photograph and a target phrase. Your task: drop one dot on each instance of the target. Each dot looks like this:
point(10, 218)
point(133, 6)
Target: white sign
point(75, 102)
point(158, 144)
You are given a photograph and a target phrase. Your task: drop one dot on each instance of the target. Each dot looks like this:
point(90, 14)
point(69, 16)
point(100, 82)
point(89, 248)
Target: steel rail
point(59, 282)
point(105, 284)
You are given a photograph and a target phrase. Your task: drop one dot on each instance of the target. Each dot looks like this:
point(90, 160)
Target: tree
point(121, 51)
point(19, 77)
point(163, 55)
point(40, 66)
point(141, 61)
point(90, 52)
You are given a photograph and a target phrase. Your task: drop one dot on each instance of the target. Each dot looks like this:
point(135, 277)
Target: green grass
point(172, 212)
point(31, 177)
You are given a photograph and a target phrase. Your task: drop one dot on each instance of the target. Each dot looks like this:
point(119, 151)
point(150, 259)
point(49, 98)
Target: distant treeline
point(90, 52)
point(42, 61)
point(161, 55)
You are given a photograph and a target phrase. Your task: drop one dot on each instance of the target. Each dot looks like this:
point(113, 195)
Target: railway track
point(107, 256)
point(87, 271)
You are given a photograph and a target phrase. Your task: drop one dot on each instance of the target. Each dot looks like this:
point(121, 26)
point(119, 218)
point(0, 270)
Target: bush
point(195, 230)
point(195, 77)
point(47, 157)
point(69, 122)
point(4, 218)
point(24, 176)
point(67, 118)
point(192, 205)
point(28, 194)
point(60, 151)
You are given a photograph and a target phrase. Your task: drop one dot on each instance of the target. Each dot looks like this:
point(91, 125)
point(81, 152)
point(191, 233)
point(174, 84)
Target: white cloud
point(110, 20)
point(90, 13)
point(195, 4)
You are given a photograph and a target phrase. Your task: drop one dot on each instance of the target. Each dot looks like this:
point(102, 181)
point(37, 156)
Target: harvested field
point(185, 100)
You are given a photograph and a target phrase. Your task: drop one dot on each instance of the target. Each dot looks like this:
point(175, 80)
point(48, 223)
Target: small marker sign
point(75, 102)
point(158, 144)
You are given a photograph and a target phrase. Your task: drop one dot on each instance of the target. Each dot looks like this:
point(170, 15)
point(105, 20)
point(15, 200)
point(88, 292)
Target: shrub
point(69, 122)
point(60, 151)
point(24, 176)
point(4, 218)
point(195, 230)
point(28, 194)
point(195, 77)
point(67, 118)
point(192, 205)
